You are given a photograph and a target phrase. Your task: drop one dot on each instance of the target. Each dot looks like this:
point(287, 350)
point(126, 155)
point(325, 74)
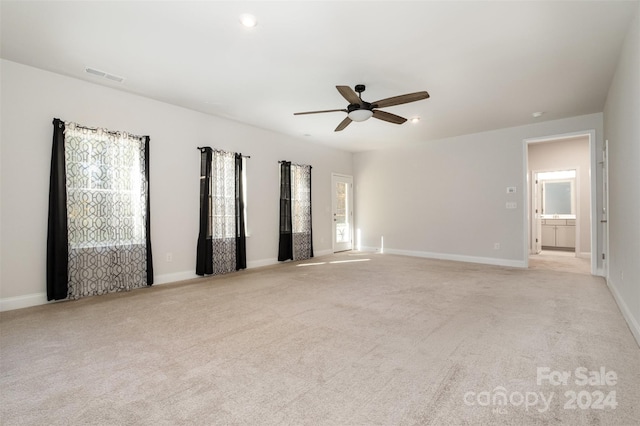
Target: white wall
point(31, 98)
point(446, 198)
point(566, 155)
point(622, 130)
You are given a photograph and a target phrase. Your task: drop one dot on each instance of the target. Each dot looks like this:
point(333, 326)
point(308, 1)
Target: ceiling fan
point(359, 110)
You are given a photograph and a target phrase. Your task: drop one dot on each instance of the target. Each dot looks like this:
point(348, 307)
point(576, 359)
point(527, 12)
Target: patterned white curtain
point(107, 195)
point(223, 211)
point(301, 211)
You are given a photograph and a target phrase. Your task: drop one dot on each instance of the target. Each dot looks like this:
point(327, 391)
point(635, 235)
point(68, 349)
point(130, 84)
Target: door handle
point(603, 221)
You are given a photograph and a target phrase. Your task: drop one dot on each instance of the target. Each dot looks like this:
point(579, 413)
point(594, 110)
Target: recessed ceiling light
point(537, 114)
point(248, 20)
point(414, 120)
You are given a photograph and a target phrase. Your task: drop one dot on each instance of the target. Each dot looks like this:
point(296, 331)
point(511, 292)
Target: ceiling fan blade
point(344, 123)
point(398, 100)
point(319, 112)
point(348, 93)
point(387, 116)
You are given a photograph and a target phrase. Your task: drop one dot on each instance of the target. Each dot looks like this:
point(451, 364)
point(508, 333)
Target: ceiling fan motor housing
point(353, 107)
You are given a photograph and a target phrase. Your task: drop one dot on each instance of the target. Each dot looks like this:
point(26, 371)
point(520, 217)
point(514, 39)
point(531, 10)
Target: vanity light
point(248, 20)
point(414, 120)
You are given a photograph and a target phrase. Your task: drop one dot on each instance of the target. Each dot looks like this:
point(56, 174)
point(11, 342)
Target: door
point(342, 206)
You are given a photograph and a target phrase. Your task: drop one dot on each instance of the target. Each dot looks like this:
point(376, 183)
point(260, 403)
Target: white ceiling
point(486, 64)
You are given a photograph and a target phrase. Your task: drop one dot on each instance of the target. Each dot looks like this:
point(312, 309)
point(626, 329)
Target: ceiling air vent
point(103, 74)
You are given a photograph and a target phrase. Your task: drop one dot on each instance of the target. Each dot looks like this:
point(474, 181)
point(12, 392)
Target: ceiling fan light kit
point(360, 114)
point(359, 110)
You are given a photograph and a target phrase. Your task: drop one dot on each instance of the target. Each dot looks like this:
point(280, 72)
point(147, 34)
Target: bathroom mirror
point(558, 197)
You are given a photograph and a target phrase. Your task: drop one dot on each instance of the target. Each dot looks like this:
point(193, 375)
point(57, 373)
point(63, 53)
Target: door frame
point(604, 214)
point(593, 211)
point(349, 179)
point(536, 220)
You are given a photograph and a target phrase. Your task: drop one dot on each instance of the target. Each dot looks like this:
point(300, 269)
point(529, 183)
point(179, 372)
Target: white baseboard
point(28, 300)
point(454, 257)
point(626, 312)
point(19, 302)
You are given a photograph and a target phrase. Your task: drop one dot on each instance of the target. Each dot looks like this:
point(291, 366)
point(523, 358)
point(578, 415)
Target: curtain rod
point(107, 131)
point(294, 164)
point(201, 148)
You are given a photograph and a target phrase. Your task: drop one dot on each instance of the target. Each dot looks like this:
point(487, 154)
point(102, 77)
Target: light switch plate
point(512, 204)
point(511, 189)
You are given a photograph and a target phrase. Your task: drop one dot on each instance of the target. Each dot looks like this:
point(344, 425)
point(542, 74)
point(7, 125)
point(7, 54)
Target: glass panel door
point(342, 212)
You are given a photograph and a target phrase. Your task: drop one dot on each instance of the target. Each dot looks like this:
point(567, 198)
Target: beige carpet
point(384, 340)
point(560, 261)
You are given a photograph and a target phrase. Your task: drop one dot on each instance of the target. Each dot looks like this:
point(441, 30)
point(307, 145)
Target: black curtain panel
point(57, 235)
point(148, 220)
point(204, 260)
point(285, 249)
point(241, 238)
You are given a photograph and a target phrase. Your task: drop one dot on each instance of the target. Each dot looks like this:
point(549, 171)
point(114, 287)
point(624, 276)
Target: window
point(301, 198)
point(296, 237)
point(220, 211)
point(221, 246)
point(98, 236)
point(244, 194)
point(222, 198)
point(105, 188)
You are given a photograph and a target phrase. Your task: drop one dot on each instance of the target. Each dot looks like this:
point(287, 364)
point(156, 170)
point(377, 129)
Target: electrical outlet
point(169, 257)
point(511, 190)
point(496, 246)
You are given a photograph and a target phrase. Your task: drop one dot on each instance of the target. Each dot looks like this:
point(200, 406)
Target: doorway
point(575, 226)
point(342, 208)
point(554, 218)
